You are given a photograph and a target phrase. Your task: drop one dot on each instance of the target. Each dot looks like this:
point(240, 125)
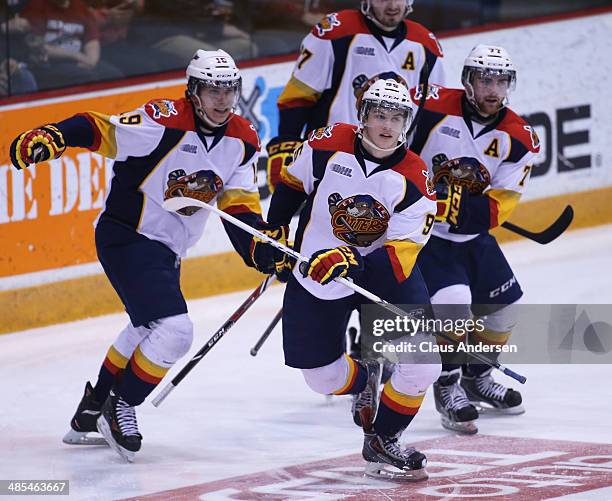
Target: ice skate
point(490, 397)
point(456, 412)
point(84, 421)
point(119, 427)
point(386, 459)
point(365, 403)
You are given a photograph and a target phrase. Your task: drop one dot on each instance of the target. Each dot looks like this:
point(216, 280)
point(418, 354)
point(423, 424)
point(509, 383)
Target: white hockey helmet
point(487, 60)
point(388, 94)
point(212, 68)
point(366, 8)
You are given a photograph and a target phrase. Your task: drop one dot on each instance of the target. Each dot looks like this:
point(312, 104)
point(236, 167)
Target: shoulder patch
point(416, 32)
point(340, 24)
point(241, 128)
point(414, 169)
point(440, 99)
point(520, 130)
point(176, 114)
point(337, 137)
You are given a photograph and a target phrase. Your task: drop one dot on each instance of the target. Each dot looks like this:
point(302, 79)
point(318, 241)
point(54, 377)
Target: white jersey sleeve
point(314, 65)
point(300, 174)
point(132, 134)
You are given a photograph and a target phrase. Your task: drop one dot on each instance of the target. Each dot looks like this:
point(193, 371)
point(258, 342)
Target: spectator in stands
point(15, 76)
point(114, 19)
point(70, 41)
point(183, 26)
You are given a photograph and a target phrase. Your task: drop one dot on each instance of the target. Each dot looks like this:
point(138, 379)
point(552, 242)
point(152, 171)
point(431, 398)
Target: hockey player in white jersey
point(480, 154)
point(342, 52)
point(369, 211)
point(195, 147)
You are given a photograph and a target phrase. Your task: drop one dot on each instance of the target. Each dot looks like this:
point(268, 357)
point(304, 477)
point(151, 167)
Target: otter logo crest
point(163, 108)
point(203, 185)
point(358, 220)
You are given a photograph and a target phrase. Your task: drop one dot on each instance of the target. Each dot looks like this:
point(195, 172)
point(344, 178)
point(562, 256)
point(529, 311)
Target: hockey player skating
point(194, 147)
point(368, 213)
point(341, 53)
point(480, 154)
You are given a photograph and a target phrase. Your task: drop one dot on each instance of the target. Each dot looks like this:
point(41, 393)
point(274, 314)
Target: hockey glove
point(265, 258)
point(280, 154)
point(327, 264)
point(37, 145)
point(284, 272)
point(452, 204)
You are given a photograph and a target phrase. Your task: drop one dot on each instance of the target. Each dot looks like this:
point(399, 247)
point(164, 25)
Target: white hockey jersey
point(159, 154)
point(342, 53)
point(507, 149)
point(358, 202)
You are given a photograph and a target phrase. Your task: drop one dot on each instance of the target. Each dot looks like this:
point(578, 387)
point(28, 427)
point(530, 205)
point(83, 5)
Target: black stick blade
point(549, 234)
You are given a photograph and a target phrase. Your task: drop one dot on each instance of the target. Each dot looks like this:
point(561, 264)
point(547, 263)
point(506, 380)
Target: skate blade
point(82, 438)
point(386, 471)
point(462, 427)
point(105, 431)
point(487, 410)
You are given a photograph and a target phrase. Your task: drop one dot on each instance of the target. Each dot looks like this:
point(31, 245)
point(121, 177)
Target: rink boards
point(48, 265)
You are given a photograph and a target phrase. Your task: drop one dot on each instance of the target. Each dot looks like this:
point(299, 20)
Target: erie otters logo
point(357, 220)
point(203, 185)
point(163, 108)
point(328, 23)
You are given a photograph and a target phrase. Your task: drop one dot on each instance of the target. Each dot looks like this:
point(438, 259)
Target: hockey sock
point(140, 378)
point(111, 370)
point(486, 337)
point(450, 358)
point(356, 379)
point(395, 410)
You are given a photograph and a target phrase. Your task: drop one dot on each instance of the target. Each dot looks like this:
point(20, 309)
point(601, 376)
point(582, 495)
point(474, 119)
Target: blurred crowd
point(46, 44)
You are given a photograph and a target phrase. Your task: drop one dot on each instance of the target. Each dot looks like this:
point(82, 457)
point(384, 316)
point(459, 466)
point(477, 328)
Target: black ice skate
point(386, 459)
point(119, 427)
point(84, 421)
point(365, 403)
point(491, 397)
point(456, 411)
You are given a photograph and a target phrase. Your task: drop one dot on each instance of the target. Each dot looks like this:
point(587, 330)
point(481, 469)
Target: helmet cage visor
point(470, 72)
point(384, 112)
point(195, 85)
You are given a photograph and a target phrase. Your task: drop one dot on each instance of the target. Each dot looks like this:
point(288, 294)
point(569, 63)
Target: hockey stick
point(424, 81)
point(549, 234)
point(213, 340)
point(178, 203)
point(266, 333)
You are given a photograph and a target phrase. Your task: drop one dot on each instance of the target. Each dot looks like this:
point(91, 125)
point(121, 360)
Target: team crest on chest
point(327, 24)
point(163, 108)
point(203, 185)
point(357, 220)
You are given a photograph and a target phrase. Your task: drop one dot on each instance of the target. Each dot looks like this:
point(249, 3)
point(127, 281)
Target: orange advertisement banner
point(47, 211)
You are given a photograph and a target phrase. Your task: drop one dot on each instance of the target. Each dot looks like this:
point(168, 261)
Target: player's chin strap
point(208, 122)
point(371, 144)
point(366, 10)
point(471, 98)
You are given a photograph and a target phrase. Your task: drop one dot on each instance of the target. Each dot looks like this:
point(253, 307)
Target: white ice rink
point(238, 415)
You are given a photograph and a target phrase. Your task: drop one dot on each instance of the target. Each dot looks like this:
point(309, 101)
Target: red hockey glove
point(327, 264)
point(37, 145)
